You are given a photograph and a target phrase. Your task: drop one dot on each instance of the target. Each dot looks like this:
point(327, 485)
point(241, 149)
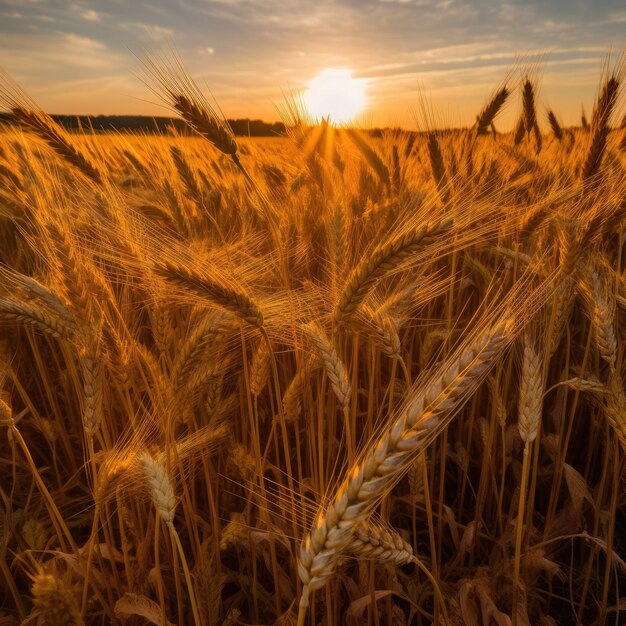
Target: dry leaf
point(577, 487)
point(137, 604)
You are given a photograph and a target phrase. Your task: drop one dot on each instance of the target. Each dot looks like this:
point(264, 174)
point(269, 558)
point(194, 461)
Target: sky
point(433, 61)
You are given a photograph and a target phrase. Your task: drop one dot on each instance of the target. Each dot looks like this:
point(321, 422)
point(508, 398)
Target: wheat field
point(326, 378)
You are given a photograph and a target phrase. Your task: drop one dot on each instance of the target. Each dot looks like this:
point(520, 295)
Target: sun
point(335, 94)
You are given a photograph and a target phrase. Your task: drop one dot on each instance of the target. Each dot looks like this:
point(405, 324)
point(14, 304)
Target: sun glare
point(335, 94)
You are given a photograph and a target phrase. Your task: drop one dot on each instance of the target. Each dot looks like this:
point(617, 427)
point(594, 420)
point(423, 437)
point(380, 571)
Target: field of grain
point(321, 379)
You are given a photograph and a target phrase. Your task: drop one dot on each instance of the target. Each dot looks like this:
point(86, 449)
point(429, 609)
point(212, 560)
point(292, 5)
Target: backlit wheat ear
point(491, 110)
point(555, 126)
point(530, 407)
point(437, 166)
point(600, 126)
point(36, 317)
point(176, 88)
point(528, 101)
point(205, 122)
point(91, 368)
point(385, 333)
point(260, 368)
point(224, 296)
point(48, 130)
point(204, 336)
point(563, 299)
point(164, 501)
point(78, 284)
point(588, 385)
point(520, 129)
point(383, 259)
point(187, 174)
point(34, 290)
point(159, 486)
point(538, 138)
point(292, 398)
point(371, 156)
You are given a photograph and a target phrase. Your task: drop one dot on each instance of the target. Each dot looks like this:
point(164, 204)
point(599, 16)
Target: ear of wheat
point(370, 541)
point(384, 462)
point(555, 126)
point(335, 369)
point(172, 83)
point(600, 121)
point(371, 156)
point(437, 165)
point(530, 392)
point(383, 259)
point(528, 100)
point(224, 296)
point(488, 114)
point(160, 487)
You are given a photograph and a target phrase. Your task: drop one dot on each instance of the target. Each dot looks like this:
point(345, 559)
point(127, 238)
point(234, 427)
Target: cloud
point(152, 31)
point(91, 16)
point(55, 54)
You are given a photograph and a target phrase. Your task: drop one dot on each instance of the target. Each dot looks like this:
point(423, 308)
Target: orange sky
point(77, 57)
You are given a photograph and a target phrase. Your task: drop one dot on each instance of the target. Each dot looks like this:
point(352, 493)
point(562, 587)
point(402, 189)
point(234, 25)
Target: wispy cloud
point(151, 31)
